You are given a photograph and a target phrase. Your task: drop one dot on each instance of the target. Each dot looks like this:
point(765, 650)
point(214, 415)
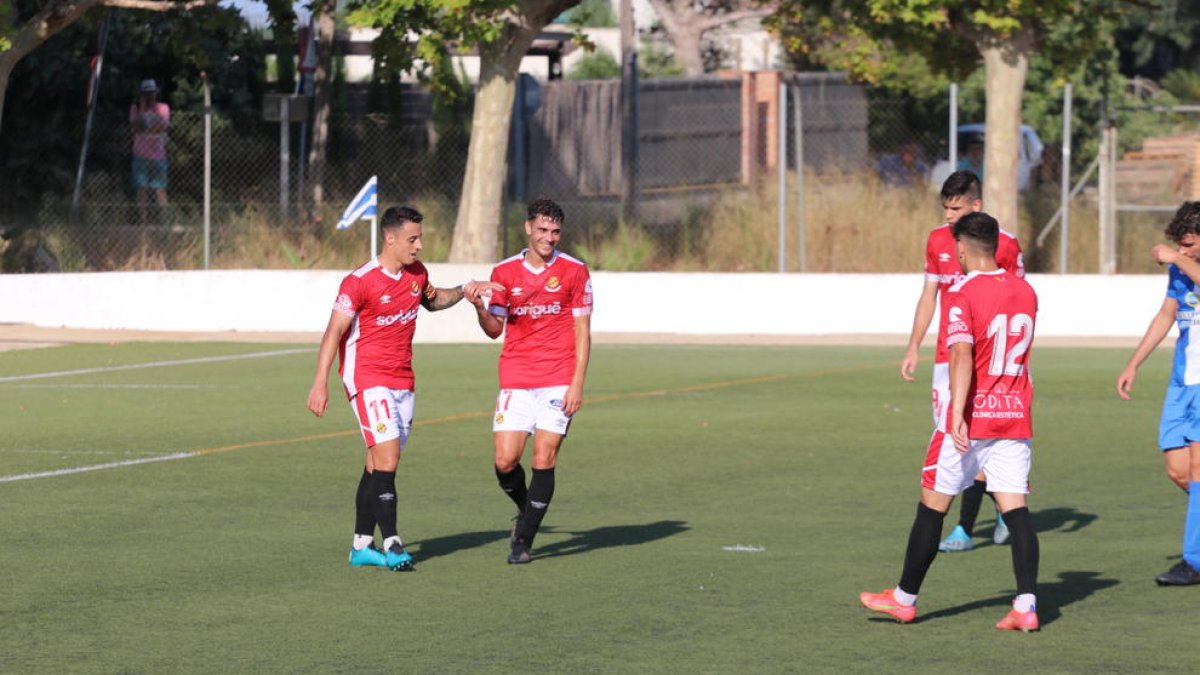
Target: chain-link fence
point(706, 192)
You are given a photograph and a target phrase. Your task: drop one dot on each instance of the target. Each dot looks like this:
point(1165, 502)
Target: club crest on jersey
point(552, 285)
point(499, 418)
point(381, 427)
point(385, 299)
point(1191, 299)
point(416, 289)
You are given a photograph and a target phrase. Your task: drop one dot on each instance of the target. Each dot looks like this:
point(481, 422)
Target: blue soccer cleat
point(958, 540)
point(368, 557)
point(1000, 534)
point(399, 560)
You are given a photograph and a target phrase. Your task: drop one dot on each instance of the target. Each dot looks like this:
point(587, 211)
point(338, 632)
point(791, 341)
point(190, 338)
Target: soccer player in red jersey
point(545, 314)
point(991, 324)
point(961, 194)
point(371, 331)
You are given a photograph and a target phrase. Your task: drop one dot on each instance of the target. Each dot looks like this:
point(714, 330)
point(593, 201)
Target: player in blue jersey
point(1179, 427)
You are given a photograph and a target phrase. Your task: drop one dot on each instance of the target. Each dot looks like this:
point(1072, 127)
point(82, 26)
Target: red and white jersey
point(941, 265)
point(540, 306)
point(995, 312)
point(377, 349)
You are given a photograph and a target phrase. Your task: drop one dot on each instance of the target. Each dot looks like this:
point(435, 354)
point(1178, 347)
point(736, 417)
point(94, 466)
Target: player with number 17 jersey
point(996, 311)
point(540, 306)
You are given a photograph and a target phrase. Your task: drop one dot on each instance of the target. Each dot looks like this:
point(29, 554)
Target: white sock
point(906, 599)
point(1025, 602)
point(387, 543)
point(362, 541)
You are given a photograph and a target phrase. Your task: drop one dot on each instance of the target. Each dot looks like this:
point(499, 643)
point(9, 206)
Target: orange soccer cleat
point(885, 603)
point(1026, 622)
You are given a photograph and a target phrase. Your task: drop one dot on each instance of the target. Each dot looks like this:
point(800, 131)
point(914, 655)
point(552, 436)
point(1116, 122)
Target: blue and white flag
point(363, 206)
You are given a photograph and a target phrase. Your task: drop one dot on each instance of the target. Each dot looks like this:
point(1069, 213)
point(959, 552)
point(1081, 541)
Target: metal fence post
point(781, 166)
point(284, 158)
point(798, 149)
point(207, 170)
point(1108, 200)
point(1065, 238)
point(953, 126)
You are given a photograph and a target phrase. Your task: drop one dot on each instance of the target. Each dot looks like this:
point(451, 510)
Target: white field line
point(153, 364)
point(95, 467)
point(114, 386)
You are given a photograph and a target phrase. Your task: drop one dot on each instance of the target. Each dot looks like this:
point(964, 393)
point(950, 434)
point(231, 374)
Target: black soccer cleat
point(1181, 574)
point(520, 554)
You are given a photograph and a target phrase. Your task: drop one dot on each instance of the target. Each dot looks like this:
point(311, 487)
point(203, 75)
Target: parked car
point(1029, 154)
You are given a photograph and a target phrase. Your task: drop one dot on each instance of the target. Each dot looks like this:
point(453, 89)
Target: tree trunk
point(679, 25)
point(476, 232)
point(1006, 62)
point(322, 103)
point(688, 52)
point(6, 67)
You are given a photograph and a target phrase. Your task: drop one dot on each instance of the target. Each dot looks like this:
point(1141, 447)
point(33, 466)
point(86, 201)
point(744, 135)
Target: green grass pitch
point(718, 510)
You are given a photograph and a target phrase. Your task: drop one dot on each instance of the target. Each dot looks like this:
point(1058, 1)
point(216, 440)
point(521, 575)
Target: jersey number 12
point(1004, 361)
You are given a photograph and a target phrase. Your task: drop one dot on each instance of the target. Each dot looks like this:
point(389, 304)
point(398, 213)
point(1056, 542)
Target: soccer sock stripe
point(383, 501)
point(513, 484)
point(972, 498)
point(922, 548)
point(1025, 549)
point(541, 490)
point(1191, 527)
point(364, 513)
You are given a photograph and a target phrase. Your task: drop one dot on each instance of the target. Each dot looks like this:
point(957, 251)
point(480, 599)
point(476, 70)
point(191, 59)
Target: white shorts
point(384, 414)
point(941, 395)
point(530, 409)
point(1005, 462)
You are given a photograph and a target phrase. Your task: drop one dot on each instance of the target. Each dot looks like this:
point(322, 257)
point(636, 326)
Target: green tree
point(592, 14)
point(25, 26)
point(954, 36)
point(599, 65)
point(502, 31)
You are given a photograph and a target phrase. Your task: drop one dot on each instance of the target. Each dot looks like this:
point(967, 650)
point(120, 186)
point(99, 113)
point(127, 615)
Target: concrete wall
point(637, 302)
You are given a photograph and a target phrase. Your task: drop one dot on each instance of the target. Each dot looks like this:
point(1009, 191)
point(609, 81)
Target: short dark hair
point(980, 230)
point(546, 208)
point(962, 183)
point(1185, 222)
point(396, 216)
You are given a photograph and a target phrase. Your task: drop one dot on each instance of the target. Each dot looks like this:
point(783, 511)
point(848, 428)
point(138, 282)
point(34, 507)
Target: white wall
point(630, 302)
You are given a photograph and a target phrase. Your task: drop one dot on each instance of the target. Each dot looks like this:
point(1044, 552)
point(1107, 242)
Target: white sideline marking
point(742, 548)
point(95, 467)
point(113, 386)
point(154, 364)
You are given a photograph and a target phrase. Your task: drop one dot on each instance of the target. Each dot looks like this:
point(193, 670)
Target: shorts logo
point(552, 285)
point(416, 289)
point(499, 418)
point(381, 427)
point(556, 403)
point(1191, 299)
point(385, 299)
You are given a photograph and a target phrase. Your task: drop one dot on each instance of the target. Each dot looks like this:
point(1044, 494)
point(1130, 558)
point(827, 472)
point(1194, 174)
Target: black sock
point(541, 490)
point(383, 501)
point(972, 497)
point(513, 484)
point(364, 514)
point(922, 548)
point(1025, 550)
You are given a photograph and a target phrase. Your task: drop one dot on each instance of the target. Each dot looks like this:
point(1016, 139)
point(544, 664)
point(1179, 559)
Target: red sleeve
point(581, 294)
point(1009, 256)
point(350, 297)
point(499, 298)
point(958, 317)
point(930, 256)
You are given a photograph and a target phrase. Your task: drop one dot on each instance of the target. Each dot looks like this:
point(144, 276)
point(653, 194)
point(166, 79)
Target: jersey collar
point(531, 268)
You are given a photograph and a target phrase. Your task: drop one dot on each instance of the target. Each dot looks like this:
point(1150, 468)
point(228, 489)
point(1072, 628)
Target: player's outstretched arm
point(573, 400)
point(962, 360)
point(444, 298)
point(318, 396)
point(491, 324)
point(926, 306)
point(1160, 325)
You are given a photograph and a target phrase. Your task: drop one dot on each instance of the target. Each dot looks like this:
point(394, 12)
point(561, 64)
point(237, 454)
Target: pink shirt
point(150, 144)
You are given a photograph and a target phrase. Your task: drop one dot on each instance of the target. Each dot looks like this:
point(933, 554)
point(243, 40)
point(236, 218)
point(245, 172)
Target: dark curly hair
point(979, 228)
point(962, 183)
point(546, 208)
point(1185, 222)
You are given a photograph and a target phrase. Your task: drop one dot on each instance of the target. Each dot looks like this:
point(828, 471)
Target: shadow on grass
point(1071, 587)
point(580, 542)
point(1058, 519)
point(611, 536)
